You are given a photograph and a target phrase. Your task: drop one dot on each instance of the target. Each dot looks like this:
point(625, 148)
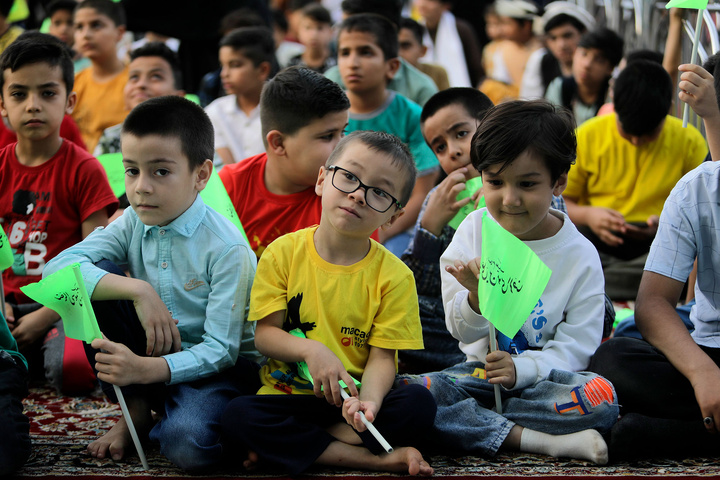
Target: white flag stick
point(370, 426)
point(493, 347)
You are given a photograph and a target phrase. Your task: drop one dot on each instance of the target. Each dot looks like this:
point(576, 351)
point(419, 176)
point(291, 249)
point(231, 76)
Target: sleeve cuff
point(525, 372)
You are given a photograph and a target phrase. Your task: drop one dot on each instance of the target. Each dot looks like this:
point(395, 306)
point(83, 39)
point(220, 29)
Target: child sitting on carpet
point(523, 151)
point(355, 304)
point(177, 340)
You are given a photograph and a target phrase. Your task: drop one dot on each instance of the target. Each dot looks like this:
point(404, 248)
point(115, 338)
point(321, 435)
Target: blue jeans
point(399, 242)
point(627, 327)
point(563, 403)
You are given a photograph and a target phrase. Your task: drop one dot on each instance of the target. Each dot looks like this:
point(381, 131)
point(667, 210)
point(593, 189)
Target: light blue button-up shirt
point(201, 268)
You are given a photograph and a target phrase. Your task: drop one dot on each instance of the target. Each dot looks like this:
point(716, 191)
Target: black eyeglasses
point(375, 198)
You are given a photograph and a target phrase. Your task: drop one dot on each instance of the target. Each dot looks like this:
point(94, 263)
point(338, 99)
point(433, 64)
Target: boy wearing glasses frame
point(356, 304)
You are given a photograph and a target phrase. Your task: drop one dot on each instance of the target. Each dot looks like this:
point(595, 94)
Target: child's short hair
point(113, 10)
point(560, 13)
point(605, 40)
point(644, 54)
point(642, 95)
point(712, 65)
point(242, 17)
point(159, 49)
point(387, 144)
point(279, 19)
point(57, 5)
point(390, 9)
point(472, 100)
point(509, 129)
point(255, 43)
point(35, 47)
point(176, 117)
point(415, 28)
point(317, 12)
point(385, 33)
point(295, 97)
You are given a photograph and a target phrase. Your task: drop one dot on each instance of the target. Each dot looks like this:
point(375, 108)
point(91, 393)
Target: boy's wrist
point(153, 370)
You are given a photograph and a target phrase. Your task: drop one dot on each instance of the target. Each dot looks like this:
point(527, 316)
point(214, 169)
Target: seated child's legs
point(645, 381)
point(14, 426)
point(565, 402)
point(627, 327)
point(189, 432)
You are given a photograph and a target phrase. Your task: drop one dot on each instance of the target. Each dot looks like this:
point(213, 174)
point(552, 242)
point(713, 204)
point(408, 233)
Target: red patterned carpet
point(61, 427)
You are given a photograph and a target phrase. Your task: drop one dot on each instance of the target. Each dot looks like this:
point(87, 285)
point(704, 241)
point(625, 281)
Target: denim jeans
point(627, 327)
point(563, 403)
point(189, 431)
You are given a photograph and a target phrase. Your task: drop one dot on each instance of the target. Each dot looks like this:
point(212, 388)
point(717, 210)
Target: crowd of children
point(353, 151)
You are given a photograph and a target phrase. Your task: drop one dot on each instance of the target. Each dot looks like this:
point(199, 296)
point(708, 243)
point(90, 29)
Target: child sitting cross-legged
point(356, 305)
point(523, 151)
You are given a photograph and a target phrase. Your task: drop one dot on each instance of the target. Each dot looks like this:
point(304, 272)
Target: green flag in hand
point(512, 278)
point(64, 292)
point(6, 253)
point(216, 197)
point(699, 4)
point(471, 186)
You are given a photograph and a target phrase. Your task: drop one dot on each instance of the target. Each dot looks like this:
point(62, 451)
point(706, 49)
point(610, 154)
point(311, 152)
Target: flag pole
point(118, 392)
point(693, 57)
point(496, 387)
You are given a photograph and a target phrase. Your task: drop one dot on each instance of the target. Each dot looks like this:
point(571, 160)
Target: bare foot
point(410, 460)
point(114, 441)
point(252, 460)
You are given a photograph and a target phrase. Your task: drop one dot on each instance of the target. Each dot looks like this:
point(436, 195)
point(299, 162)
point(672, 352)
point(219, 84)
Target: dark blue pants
point(288, 431)
point(14, 426)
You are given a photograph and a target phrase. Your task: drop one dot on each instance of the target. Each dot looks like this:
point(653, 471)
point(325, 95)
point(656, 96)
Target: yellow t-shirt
point(99, 105)
point(635, 181)
point(348, 308)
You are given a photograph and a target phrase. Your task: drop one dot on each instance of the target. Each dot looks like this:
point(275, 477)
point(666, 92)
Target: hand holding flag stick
point(64, 292)
point(304, 373)
point(701, 5)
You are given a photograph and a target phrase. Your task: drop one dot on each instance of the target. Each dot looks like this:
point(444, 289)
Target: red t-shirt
point(42, 208)
point(266, 216)
point(68, 130)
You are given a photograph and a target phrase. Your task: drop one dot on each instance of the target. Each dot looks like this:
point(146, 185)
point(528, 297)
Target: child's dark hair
point(176, 117)
point(385, 143)
point(415, 28)
point(472, 100)
point(390, 9)
point(317, 12)
point(159, 49)
point(385, 33)
point(58, 5)
point(242, 17)
point(644, 54)
point(509, 129)
point(712, 65)
point(34, 47)
point(255, 43)
point(642, 95)
point(113, 10)
point(564, 19)
point(605, 40)
point(279, 19)
point(297, 96)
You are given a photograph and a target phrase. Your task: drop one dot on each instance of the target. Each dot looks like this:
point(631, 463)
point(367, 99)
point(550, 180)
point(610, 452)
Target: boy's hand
point(30, 328)
point(442, 205)
point(351, 412)
point(500, 368)
point(327, 370)
point(117, 365)
point(697, 89)
point(9, 316)
point(468, 274)
point(605, 223)
point(161, 329)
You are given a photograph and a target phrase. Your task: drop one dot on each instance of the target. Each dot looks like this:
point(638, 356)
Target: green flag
point(471, 186)
point(64, 292)
point(512, 278)
point(304, 371)
point(112, 163)
point(6, 253)
point(699, 4)
point(216, 197)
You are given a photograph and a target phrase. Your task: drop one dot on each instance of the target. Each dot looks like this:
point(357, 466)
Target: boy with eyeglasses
point(356, 305)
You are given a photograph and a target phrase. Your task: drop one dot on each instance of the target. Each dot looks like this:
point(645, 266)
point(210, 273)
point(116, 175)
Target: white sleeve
point(531, 86)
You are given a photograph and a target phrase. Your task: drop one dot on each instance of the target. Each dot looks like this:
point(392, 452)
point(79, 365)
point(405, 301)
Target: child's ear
point(120, 29)
point(393, 65)
point(392, 219)
point(276, 142)
point(202, 174)
point(560, 185)
point(320, 181)
point(71, 102)
point(264, 69)
point(3, 112)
